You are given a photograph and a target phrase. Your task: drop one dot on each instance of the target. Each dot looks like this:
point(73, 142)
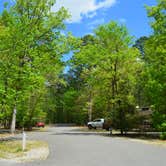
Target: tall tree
point(33, 47)
point(140, 44)
point(155, 63)
point(110, 68)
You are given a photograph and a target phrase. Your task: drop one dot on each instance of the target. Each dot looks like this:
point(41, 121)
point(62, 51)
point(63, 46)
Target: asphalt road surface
point(70, 147)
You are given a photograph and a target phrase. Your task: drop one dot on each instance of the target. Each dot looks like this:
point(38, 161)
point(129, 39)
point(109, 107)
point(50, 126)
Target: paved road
point(69, 147)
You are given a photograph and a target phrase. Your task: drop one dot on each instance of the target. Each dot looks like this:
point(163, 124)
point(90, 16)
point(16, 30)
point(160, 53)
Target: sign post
point(23, 141)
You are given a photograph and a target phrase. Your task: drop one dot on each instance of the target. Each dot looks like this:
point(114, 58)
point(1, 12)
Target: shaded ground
point(71, 147)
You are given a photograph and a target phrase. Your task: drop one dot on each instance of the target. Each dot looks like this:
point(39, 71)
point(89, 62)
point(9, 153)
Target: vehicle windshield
point(97, 120)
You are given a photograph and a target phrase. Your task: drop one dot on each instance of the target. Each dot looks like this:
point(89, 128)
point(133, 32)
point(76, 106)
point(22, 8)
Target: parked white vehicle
point(97, 123)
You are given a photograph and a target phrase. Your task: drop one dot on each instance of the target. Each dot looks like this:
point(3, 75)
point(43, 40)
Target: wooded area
point(108, 75)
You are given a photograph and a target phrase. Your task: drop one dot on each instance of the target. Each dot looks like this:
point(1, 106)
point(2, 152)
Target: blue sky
point(88, 14)
point(132, 13)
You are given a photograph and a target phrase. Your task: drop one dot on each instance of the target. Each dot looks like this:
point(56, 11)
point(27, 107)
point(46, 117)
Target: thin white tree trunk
point(90, 109)
point(13, 124)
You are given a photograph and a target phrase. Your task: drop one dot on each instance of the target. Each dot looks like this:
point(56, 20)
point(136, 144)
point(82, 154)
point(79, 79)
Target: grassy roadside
point(13, 149)
point(152, 141)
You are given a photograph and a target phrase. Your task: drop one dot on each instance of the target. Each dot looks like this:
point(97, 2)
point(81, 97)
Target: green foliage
point(159, 120)
point(106, 72)
point(155, 58)
point(140, 44)
point(163, 136)
point(159, 17)
point(107, 77)
point(31, 47)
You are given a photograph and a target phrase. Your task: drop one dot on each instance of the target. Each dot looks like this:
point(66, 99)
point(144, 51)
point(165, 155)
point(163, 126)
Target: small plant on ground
point(163, 136)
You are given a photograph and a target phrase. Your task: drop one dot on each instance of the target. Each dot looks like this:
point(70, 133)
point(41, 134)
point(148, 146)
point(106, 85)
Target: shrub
point(163, 136)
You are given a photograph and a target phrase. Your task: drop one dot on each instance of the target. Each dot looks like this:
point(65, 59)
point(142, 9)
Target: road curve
point(70, 147)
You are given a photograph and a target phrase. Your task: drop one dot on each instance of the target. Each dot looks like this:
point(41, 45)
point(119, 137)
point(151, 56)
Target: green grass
point(13, 149)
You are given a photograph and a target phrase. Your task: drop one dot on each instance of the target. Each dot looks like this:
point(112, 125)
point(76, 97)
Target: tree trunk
point(121, 131)
point(13, 123)
point(90, 107)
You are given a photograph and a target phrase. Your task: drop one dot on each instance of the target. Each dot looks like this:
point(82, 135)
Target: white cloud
point(95, 23)
point(83, 8)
